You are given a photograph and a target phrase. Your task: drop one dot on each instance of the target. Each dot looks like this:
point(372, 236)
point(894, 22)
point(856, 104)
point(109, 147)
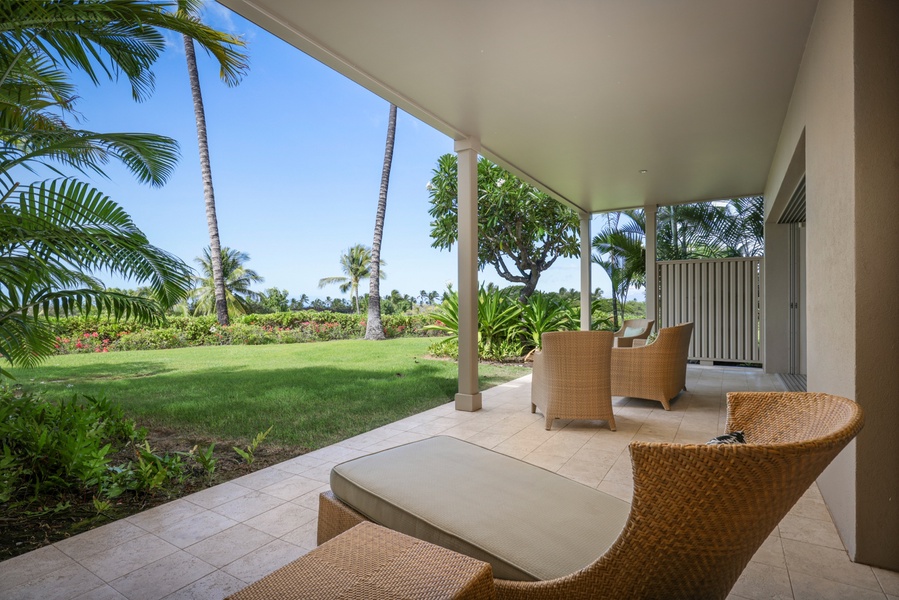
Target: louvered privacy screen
point(723, 298)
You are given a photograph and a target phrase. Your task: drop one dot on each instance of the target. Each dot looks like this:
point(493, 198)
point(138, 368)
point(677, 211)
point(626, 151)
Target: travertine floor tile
point(270, 557)
point(101, 593)
point(163, 577)
point(64, 584)
point(229, 545)
point(292, 487)
point(813, 531)
point(99, 539)
point(130, 556)
point(763, 582)
point(31, 566)
point(809, 587)
point(214, 586)
point(163, 517)
point(218, 495)
point(262, 479)
point(889, 581)
point(771, 553)
point(283, 519)
point(828, 563)
point(195, 529)
point(248, 506)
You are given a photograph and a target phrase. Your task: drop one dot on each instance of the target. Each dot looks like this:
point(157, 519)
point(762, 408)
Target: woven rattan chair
point(633, 332)
point(657, 371)
point(571, 378)
point(699, 512)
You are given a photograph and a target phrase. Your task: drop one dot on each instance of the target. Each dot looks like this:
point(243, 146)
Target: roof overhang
point(578, 97)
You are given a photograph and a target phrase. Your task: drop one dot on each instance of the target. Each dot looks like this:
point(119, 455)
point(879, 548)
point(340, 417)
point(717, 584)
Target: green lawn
point(314, 394)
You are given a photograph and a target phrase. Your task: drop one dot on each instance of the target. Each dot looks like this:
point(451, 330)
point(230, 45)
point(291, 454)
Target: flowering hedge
point(91, 334)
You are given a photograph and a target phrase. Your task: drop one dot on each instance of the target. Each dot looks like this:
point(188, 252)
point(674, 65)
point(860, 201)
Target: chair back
point(701, 512)
point(577, 361)
point(644, 325)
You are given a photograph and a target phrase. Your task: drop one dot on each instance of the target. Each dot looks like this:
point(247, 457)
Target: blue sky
point(296, 153)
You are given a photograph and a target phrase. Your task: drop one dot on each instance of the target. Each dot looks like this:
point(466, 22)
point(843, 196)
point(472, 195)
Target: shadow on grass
point(96, 371)
point(310, 406)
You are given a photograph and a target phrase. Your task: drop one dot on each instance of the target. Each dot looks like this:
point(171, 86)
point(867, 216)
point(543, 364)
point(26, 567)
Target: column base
point(468, 402)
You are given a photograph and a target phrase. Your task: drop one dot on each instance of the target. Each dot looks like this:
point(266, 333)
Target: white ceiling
point(576, 96)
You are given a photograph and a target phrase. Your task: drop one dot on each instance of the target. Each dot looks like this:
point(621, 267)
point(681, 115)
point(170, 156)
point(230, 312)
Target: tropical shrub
point(547, 313)
point(80, 448)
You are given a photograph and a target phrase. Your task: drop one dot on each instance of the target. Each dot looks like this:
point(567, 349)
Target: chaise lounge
point(699, 512)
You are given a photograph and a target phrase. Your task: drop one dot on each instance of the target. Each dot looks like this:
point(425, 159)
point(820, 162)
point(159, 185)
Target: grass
point(314, 394)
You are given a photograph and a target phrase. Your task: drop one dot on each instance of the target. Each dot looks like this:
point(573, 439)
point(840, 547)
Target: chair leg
point(549, 422)
point(612, 423)
point(666, 405)
point(533, 408)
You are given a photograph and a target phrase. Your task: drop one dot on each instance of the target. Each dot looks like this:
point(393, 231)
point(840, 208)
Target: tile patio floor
point(212, 543)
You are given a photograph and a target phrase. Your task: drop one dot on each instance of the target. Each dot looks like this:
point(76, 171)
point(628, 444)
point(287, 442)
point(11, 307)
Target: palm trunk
point(374, 330)
point(215, 249)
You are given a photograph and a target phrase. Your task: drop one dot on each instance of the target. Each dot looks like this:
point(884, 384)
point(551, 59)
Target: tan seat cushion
point(529, 523)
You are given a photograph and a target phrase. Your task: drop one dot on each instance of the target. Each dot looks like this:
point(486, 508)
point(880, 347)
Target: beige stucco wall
point(845, 102)
point(877, 278)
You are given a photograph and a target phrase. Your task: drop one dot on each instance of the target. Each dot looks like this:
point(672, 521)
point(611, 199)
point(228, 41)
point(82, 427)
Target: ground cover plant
point(139, 428)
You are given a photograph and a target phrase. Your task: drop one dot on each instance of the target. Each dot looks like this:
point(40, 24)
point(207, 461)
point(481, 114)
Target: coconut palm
point(356, 263)
point(619, 250)
point(190, 9)
point(53, 234)
point(238, 280)
point(374, 330)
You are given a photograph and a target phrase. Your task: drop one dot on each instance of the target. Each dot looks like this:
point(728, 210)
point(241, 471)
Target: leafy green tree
point(274, 300)
point(189, 9)
point(521, 230)
point(374, 329)
point(356, 265)
point(53, 234)
point(238, 280)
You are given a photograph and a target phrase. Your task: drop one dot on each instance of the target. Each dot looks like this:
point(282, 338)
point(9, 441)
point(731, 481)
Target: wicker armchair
point(699, 512)
point(571, 378)
point(633, 332)
point(655, 372)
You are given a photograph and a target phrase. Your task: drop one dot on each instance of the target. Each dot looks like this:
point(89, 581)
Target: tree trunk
point(530, 286)
point(215, 249)
point(374, 330)
point(614, 310)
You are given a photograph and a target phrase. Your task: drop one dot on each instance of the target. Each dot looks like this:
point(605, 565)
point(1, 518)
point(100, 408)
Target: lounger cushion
point(632, 331)
point(529, 523)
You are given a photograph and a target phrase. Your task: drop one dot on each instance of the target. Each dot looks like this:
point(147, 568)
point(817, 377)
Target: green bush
point(66, 446)
point(84, 335)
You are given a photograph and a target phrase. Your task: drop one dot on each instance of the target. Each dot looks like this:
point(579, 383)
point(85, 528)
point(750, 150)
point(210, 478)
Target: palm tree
point(374, 330)
point(190, 8)
point(238, 280)
point(356, 263)
point(619, 250)
point(53, 234)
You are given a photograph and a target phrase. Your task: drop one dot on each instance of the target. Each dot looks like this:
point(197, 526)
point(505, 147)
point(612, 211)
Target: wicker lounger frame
point(699, 512)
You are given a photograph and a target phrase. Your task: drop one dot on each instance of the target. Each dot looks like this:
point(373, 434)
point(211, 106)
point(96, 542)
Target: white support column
point(586, 264)
point(652, 292)
point(469, 396)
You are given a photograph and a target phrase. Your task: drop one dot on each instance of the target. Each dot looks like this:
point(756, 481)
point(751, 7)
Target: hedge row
point(92, 334)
